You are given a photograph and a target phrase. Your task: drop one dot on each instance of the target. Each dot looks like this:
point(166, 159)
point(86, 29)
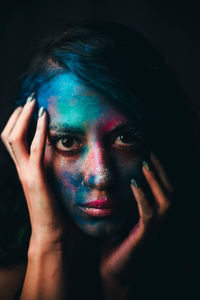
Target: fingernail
point(41, 111)
point(134, 183)
point(147, 166)
point(19, 108)
point(30, 98)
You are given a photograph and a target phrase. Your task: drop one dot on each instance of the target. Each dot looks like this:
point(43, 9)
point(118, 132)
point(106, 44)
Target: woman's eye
point(128, 142)
point(68, 143)
point(124, 140)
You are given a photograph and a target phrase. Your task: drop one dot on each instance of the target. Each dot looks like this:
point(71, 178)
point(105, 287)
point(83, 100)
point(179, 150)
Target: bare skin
point(46, 273)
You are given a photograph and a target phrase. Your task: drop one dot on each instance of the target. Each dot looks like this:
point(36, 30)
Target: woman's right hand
point(47, 227)
point(46, 274)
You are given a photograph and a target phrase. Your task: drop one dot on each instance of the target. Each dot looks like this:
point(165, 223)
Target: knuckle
point(13, 139)
point(3, 136)
point(29, 182)
point(29, 185)
point(166, 207)
point(148, 218)
point(34, 148)
point(29, 177)
point(23, 178)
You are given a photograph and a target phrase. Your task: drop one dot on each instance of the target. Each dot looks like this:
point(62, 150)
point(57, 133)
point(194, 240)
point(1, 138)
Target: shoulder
point(11, 280)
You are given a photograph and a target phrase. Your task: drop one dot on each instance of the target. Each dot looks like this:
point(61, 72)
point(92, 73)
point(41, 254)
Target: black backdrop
point(172, 26)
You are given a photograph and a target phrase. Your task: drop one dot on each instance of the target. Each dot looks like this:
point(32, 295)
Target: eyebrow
point(129, 124)
point(65, 128)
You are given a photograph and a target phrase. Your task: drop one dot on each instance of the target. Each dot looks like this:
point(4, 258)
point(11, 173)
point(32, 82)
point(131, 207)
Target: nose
point(97, 169)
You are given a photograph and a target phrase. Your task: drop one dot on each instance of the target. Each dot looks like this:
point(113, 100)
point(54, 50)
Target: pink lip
point(97, 212)
point(103, 203)
point(99, 208)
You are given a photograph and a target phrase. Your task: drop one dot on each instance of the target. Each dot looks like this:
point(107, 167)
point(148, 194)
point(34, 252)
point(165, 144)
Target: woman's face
point(93, 151)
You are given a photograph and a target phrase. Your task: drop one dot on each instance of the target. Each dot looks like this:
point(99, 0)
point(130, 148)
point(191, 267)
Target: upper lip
point(103, 203)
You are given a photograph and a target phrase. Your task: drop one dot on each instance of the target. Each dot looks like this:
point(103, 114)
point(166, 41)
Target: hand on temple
point(117, 260)
point(45, 276)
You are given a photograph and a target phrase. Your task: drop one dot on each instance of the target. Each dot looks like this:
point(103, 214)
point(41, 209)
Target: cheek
point(129, 166)
point(65, 173)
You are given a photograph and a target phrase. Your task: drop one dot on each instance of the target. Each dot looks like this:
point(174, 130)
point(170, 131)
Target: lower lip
point(97, 212)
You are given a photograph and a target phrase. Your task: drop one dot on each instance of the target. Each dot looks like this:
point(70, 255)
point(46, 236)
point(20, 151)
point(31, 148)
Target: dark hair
point(118, 62)
point(109, 57)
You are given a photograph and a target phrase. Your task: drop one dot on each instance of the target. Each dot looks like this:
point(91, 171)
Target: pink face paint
point(113, 123)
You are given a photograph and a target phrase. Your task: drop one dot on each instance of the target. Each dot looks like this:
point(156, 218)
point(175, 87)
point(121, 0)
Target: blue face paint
point(93, 153)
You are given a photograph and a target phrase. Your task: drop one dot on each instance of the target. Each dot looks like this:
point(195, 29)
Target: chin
point(100, 229)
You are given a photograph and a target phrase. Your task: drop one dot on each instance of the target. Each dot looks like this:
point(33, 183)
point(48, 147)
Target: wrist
point(43, 245)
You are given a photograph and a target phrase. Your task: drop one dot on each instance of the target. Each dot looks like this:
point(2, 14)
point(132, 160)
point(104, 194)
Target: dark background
point(173, 27)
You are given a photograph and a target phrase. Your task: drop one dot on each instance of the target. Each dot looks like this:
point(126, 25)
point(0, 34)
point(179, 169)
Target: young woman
point(97, 113)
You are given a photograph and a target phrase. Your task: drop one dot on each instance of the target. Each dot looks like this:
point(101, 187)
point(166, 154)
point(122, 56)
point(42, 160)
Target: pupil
point(67, 142)
point(126, 138)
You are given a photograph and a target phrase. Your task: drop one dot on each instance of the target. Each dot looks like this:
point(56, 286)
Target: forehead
point(68, 99)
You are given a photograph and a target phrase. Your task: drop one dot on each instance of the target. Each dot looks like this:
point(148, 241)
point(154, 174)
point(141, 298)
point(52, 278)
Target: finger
point(120, 256)
point(38, 143)
point(159, 194)
point(162, 175)
point(17, 137)
point(144, 208)
point(11, 122)
point(8, 128)
point(146, 217)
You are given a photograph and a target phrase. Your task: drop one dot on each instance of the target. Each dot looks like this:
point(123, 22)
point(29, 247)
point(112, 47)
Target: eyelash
point(53, 140)
point(137, 142)
point(136, 147)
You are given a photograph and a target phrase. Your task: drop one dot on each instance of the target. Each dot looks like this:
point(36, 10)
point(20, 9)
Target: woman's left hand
point(116, 259)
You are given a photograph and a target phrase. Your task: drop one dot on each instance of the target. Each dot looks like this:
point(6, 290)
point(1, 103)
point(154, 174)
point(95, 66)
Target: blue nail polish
point(30, 98)
point(41, 111)
point(147, 166)
point(134, 183)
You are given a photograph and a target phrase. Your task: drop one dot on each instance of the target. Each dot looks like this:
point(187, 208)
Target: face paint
point(93, 152)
